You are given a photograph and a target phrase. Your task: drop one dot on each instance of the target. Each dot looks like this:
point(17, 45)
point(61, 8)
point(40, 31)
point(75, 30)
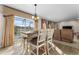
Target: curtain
point(8, 34)
point(43, 24)
point(1, 28)
point(36, 25)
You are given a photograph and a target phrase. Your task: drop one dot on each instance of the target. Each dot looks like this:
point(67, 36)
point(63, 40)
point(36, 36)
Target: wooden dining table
point(30, 34)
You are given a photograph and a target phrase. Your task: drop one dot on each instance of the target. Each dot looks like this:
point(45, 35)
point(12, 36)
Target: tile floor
point(68, 50)
point(18, 49)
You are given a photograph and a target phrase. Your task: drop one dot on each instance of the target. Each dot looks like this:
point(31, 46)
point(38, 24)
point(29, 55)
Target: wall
point(74, 23)
point(1, 25)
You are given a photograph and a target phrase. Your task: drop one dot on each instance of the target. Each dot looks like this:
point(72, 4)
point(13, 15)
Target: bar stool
point(50, 33)
point(38, 45)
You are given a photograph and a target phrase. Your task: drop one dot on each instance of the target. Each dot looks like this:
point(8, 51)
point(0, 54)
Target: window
point(22, 24)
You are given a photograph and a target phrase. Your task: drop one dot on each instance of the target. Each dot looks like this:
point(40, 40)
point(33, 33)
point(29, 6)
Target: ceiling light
point(35, 17)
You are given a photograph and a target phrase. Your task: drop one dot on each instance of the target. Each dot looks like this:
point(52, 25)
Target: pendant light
point(35, 17)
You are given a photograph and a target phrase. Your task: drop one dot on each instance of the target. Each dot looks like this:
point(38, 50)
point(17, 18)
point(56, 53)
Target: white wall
point(75, 25)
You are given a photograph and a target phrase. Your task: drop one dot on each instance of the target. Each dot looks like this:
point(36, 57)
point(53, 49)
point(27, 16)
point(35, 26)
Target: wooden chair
point(50, 33)
point(38, 45)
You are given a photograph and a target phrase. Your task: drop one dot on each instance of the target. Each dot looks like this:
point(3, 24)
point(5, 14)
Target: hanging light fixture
point(35, 17)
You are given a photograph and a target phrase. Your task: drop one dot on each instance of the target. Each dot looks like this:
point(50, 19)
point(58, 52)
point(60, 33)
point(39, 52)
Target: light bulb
point(32, 17)
point(35, 17)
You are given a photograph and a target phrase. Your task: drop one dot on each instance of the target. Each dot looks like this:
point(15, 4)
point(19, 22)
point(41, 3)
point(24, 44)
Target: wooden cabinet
point(67, 35)
point(57, 35)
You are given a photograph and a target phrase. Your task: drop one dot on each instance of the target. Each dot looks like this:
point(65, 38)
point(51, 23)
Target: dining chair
point(50, 33)
point(38, 45)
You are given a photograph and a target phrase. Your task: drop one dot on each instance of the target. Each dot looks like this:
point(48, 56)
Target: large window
point(22, 24)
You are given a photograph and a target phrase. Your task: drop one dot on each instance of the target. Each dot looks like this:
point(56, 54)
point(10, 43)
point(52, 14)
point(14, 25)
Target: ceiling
point(54, 12)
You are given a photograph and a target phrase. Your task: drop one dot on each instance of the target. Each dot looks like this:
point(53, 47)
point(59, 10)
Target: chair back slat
point(41, 35)
point(50, 33)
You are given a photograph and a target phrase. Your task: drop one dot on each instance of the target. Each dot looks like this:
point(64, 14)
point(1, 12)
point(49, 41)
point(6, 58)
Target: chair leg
point(37, 50)
point(48, 48)
point(45, 49)
point(29, 49)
